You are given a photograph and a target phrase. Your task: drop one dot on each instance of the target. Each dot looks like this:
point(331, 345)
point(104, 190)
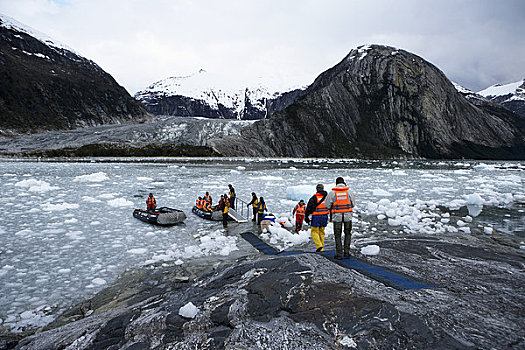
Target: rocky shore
point(309, 301)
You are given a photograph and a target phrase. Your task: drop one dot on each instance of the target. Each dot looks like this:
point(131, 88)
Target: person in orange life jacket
point(151, 203)
point(261, 208)
point(341, 203)
point(198, 202)
point(317, 208)
point(207, 197)
point(299, 211)
point(207, 206)
point(254, 203)
point(224, 206)
point(232, 196)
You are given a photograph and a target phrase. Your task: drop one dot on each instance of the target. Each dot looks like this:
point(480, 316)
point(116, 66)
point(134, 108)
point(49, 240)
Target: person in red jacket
point(151, 203)
point(299, 211)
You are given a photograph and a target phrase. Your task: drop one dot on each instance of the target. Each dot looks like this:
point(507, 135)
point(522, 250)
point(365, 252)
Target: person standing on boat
point(232, 196)
point(151, 203)
point(207, 197)
point(299, 211)
point(261, 208)
point(254, 203)
point(224, 206)
point(341, 203)
point(317, 208)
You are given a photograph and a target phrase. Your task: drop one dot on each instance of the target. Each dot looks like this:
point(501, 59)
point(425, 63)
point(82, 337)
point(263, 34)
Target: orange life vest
point(207, 198)
point(342, 203)
point(300, 210)
point(197, 202)
point(207, 206)
point(321, 209)
point(151, 203)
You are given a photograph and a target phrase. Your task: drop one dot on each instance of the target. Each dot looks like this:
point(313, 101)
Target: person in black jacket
point(232, 196)
point(316, 207)
point(254, 203)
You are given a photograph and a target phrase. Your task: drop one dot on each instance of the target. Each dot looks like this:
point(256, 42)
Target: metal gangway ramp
point(239, 214)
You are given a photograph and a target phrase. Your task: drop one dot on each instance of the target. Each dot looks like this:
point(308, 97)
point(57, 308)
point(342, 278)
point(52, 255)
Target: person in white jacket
point(340, 201)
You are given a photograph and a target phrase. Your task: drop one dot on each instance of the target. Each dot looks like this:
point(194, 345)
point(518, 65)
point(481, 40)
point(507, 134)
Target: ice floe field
point(67, 229)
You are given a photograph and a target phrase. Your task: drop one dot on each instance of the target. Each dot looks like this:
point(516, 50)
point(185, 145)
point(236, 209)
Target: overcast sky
point(476, 43)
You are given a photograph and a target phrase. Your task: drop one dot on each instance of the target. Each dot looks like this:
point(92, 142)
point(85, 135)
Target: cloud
point(475, 42)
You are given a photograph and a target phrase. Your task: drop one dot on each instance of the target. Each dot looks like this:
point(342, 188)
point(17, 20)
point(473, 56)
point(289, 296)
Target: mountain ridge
point(212, 95)
point(45, 86)
point(383, 101)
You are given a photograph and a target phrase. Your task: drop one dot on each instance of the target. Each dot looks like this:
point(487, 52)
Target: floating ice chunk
point(178, 262)
point(468, 218)
point(268, 178)
point(59, 206)
point(465, 229)
point(64, 271)
point(393, 222)
point(240, 167)
point(107, 195)
point(520, 198)
point(144, 178)
point(488, 230)
point(98, 281)
point(33, 185)
point(95, 177)
point(381, 217)
point(475, 199)
point(75, 235)
point(279, 234)
point(24, 233)
point(299, 192)
point(483, 166)
point(370, 250)
point(120, 202)
point(138, 251)
point(71, 221)
point(91, 199)
point(189, 310)
point(381, 192)
point(461, 223)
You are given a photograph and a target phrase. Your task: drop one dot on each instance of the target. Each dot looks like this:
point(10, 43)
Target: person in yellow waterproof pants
point(317, 208)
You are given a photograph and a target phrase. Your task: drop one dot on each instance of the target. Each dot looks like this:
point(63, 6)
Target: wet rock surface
point(307, 301)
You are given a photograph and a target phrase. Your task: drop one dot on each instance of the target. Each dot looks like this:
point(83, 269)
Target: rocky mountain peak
point(381, 101)
point(45, 85)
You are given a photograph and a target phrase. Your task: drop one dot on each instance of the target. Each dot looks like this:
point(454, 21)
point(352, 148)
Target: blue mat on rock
point(381, 274)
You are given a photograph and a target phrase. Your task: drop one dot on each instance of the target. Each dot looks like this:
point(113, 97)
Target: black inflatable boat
point(163, 216)
point(215, 215)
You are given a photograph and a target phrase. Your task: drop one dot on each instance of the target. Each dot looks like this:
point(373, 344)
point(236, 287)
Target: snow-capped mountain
point(46, 85)
point(510, 95)
point(205, 94)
